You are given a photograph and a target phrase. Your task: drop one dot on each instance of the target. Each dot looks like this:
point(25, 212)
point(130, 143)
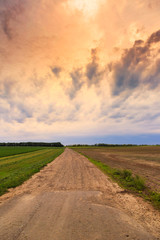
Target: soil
point(71, 199)
point(145, 164)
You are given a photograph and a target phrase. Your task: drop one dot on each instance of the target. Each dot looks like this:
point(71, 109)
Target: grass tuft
point(129, 181)
point(155, 198)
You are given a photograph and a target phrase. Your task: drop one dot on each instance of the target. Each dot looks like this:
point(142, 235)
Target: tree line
point(31, 144)
point(105, 145)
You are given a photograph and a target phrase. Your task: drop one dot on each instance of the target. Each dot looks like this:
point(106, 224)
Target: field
point(9, 151)
point(15, 169)
point(72, 199)
point(141, 160)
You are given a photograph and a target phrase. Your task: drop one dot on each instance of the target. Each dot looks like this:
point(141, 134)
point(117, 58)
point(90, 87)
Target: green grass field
point(9, 151)
point(14, 170)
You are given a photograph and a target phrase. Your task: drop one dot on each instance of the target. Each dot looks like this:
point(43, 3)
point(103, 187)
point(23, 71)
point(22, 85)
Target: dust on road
point(71, 199)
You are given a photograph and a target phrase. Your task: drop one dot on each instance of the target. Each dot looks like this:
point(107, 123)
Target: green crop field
point(9, 151)
point(14, 170)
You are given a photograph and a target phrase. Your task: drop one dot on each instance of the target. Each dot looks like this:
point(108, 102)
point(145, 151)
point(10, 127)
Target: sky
point(80, 71)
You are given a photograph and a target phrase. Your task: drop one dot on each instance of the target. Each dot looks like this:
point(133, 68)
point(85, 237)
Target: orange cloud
point(54, 74)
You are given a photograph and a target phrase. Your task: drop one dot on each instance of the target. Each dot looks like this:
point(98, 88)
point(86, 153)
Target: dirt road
point(71, 199)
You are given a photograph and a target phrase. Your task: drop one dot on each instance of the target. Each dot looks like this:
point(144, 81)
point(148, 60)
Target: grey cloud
point(6, 88)
point(13, 102)
point(154, 79)
point(128, 72)
point(19, 111)
point(8, 14)
point(148, 117)
point(154, 38)
point(25, 110)
point(90, 74)
point(56, 70)
point(117, 116)
point(139, 42)
point(56, 115)
point(138, 118)
point(6, 26)
point(93, 72)
point(77, 82)
point(15, 112)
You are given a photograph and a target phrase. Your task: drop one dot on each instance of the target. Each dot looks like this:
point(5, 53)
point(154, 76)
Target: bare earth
point(144, 161)
point(71, 199)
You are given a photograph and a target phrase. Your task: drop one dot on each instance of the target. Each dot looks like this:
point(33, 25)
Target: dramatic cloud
point(138, 65)
point(77, 81)
point(93, 72)
point(70, 67)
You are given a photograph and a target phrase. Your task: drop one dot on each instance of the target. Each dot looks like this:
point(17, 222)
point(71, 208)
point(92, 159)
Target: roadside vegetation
point(124, 177)
point(128, 181)
point(14, 170)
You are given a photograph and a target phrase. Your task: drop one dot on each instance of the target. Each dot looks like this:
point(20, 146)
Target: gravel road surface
point(70, 199)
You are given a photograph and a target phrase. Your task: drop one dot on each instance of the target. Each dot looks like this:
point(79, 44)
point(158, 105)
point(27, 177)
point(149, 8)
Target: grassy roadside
point(125, 178)
point(14, 170)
